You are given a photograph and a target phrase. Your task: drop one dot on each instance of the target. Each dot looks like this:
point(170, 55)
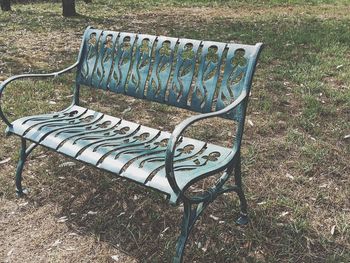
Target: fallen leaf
point(324, 185)
point(122, 213)
point(284, 214)
point(126, 110)
point(288, 175)
point(10, 252)
point(214, 217)
point(66, 164)
point(56, 243)
point(115, 257)
point(62, 219)
point(5, 161)
point(166, 229)
point(205, 248)
point(92, 213)
point(333, 230)
point(340, 66)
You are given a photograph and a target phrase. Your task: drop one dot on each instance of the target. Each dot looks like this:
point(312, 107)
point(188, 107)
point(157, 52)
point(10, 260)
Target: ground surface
point(295, 150)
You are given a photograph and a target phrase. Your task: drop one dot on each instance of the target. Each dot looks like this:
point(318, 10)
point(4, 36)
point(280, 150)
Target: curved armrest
point(9, 80)
point(179, 129)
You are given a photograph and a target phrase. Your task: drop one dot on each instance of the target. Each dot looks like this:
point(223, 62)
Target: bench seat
point(127, 149)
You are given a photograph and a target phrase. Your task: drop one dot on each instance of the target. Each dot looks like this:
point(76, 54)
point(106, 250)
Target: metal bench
point(211, 78)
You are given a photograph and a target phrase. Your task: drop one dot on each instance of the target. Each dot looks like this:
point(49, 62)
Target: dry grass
point(295, 156)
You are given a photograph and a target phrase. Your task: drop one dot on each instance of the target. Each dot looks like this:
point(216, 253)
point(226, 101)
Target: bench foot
point(22, 193)
point(243, 220)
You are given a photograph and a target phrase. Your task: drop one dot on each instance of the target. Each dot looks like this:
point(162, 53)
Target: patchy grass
point(295, 156)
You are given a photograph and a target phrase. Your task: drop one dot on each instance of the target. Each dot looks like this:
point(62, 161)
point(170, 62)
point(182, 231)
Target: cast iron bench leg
point(23, 154)
point(191, 214)
point(185, 231)
point(19, 170)
point(243, 218)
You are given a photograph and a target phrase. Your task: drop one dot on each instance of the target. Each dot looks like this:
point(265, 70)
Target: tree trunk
point(68, 8)
point(5, 5)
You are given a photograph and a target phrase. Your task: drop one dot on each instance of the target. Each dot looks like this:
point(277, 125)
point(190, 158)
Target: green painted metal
point(208, 77)
point(23, 154)
point(20, 165)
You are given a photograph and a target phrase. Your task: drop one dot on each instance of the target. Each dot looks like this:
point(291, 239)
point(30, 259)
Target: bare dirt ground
point(33, 230)
point(34, 233)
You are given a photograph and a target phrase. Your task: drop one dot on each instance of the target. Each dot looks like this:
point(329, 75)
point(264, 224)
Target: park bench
point(211, 78)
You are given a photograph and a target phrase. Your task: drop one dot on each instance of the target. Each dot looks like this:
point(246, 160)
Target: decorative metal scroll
point(201, 76)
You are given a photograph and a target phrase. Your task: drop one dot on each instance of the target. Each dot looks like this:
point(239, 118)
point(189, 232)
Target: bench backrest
point(201, 76)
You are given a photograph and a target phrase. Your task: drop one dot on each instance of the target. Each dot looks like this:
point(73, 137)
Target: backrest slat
point(90, 54)
point(231, 85)
point(187, 54)
point(122, 62)
point(208, 74)
point(161, 69)
point(141, 65)
point(104, 62)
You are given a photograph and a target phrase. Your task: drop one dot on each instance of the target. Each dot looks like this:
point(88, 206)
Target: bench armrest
point(179, 129)
point(9, 80)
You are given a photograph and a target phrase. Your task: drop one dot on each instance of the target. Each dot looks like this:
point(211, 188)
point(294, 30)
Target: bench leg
point(243, 218)
point(23, 154)
point(22, 158)
point(185, 231)
point(189, 219)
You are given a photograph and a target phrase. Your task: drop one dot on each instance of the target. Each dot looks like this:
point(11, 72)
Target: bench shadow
point(142, 224)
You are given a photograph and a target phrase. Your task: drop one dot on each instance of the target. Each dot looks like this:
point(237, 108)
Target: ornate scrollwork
point(199, 76)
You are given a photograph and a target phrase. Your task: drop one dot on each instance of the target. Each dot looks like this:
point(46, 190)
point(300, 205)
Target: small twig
point(132, 234)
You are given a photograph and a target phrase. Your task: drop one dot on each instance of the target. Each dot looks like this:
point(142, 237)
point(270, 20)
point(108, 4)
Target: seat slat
point(74, 125)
